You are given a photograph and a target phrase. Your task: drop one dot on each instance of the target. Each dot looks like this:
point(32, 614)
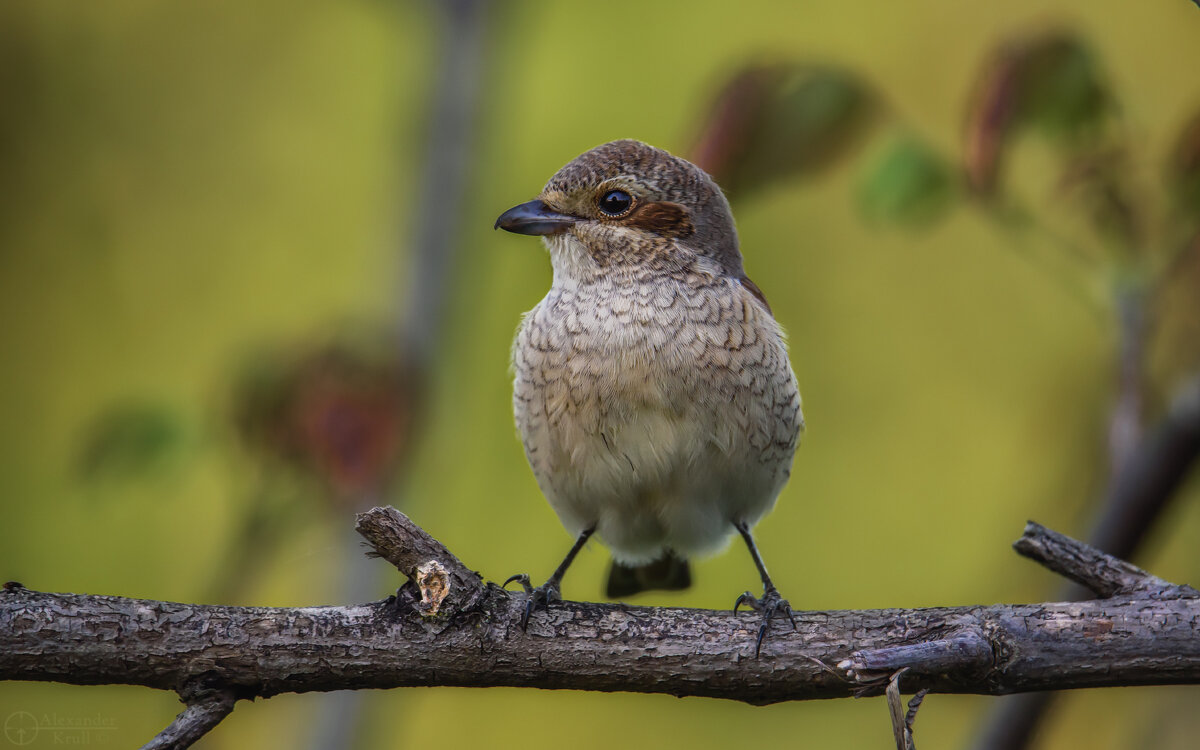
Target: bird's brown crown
point(666, 201)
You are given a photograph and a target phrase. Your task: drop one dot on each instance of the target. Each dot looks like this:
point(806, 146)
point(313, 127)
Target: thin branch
point(423, 560)
point(965, 651)
point(901, 729)
point(207, 705)
point(1070, 267)
point(914, 705)
point(1102, 573)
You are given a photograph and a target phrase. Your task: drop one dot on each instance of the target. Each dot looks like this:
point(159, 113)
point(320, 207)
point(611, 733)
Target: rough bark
point(447, 627)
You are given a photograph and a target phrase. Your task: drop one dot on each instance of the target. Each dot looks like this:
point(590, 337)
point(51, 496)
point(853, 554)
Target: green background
point(186, 184)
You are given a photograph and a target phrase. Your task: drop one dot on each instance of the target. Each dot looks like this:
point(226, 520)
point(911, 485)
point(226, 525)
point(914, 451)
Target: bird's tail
point(669, 573)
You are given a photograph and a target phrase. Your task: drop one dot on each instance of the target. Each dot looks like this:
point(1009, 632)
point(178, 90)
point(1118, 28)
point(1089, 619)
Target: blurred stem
point(339, 722)
point(1177, 260)
point(1014, 721)
point(1125, 424)
point(1151, 475)
point(424, 287)
point(269, 514)
point(442, 183)
point(1077, 273)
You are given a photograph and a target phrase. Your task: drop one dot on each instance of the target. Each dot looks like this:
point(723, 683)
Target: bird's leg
point(771, 602)
point(548, 592)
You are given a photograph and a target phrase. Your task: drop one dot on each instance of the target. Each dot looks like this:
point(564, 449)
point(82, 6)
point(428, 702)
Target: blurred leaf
point(770, 123)
point(340, 412)
point(990, 118)
point(909, 185)
point(130, 441)
point(1063, 91)
point(1050, 82)
point(727, 128)
point(1183, 168)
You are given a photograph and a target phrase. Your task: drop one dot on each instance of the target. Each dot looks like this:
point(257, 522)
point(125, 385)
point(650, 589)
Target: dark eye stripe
point(663, 218)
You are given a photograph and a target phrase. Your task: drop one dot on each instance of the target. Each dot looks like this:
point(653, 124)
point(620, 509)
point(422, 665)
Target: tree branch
point(207, 705)
point(1086, 565)
point(446, 627)
point(1147, 481)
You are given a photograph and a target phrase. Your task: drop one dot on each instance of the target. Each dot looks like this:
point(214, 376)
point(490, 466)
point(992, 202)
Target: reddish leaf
point(1050, 82)
point(776, 122)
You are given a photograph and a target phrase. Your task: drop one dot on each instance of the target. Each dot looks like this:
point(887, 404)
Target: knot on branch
point(434, 583)
point(444, 583)
point(203, 687)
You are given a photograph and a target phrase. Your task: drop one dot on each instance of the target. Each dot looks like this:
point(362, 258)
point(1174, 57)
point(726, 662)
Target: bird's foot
point(537, 598)
point(769, 605)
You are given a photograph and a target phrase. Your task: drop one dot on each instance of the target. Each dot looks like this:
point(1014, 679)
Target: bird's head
point(629, 206)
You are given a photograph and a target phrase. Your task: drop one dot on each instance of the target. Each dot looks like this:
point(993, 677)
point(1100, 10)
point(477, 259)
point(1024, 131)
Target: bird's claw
point(522, 578)
point(769, 605)
point(535, 598)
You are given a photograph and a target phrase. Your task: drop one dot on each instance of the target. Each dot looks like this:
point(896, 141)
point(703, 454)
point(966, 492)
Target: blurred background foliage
point(210, 244)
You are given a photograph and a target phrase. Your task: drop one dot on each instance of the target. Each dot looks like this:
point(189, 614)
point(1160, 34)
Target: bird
point(652, 388)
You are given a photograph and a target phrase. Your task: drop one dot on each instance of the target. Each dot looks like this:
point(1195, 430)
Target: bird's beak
point(534, 217)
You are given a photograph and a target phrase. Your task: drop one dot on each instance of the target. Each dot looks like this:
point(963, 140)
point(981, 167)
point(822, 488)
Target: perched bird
point(652, 387)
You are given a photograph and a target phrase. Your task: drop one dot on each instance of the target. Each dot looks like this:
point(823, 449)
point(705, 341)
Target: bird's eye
point(616, 203)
